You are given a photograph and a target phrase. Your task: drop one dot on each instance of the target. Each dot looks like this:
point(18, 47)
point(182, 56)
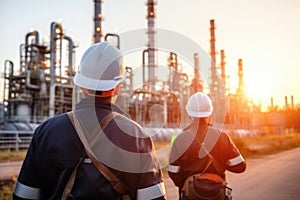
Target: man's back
point(187, 148)
point(56, 150)
point(123, 146)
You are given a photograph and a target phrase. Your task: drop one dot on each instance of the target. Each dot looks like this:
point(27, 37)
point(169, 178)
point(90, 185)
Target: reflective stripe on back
point(152, 192)
point(237, 160)
point(27, 192)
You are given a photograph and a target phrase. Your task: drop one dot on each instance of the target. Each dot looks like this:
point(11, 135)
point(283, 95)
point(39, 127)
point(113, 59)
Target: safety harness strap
point(71, 182)
point(117, 184)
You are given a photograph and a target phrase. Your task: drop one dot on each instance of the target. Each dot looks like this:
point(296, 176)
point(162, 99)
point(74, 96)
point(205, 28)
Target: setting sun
point(258, 86)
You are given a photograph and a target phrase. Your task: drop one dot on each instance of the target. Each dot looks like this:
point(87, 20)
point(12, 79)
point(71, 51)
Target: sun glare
point(257, 86)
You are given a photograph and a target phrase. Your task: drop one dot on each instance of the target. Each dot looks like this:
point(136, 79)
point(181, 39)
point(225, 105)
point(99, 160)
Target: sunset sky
point(265, 34)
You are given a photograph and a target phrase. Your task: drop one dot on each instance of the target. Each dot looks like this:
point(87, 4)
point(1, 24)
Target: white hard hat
point(101, 68)
point(199, 105)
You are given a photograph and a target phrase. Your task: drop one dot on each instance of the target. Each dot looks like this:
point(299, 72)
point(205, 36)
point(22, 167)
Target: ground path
point(275, 177)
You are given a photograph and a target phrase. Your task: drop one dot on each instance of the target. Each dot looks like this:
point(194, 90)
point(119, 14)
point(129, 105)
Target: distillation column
point(241, 86)
point(214, 83)
point(222, 64)
point(242, 107)
point(197, 82)
point(217, 90)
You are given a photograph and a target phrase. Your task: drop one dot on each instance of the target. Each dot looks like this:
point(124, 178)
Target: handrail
point(15, 139)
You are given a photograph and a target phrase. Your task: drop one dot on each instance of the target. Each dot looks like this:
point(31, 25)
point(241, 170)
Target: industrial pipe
point(56, 33)
point(36, 35)
point(70, 55)
point(113, 35)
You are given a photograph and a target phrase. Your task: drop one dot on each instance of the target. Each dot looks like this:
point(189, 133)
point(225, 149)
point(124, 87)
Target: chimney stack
point(151, 33)
point(98, 35)
point(272, 102)
point(223, 71)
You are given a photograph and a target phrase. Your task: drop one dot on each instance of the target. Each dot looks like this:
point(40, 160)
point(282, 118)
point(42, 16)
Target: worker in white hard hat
point(63, 159)
point(194, 150)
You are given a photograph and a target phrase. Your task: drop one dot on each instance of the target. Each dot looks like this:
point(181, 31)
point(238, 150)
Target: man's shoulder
point(60, 118)
point(217, 130)
point(128, 125)
point(125, 119)
point(217, 134)
point(53, 122)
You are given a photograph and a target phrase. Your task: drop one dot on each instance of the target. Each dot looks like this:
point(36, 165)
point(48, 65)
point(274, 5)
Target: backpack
point(205, 186)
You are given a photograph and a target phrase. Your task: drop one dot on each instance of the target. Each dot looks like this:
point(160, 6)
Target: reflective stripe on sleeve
point(152, 192)
point(27, 192)
point(173, 168)
point(236, 160)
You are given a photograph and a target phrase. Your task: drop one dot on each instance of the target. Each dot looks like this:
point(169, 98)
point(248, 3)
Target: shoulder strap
point(117, 184)
point(214, 161)
point(213, 138)
point(103, 123)
point(70, 183)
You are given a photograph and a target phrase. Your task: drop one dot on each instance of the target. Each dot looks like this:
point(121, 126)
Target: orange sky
point(265, 34)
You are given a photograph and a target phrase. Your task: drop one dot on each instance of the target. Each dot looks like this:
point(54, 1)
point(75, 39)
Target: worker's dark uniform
point(56, 149)
point(185, 159)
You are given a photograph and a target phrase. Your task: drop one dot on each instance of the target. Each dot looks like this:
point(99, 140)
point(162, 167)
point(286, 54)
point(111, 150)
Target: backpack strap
point(71, 181)
point(210, 139)
point(214, 161)
point(117, 184)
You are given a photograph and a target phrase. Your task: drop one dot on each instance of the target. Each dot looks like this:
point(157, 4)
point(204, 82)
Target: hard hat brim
point(198, 114)
point(98, 85)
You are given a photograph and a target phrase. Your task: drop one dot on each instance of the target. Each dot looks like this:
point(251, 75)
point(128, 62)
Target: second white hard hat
point(199, 105)
point(101, 68)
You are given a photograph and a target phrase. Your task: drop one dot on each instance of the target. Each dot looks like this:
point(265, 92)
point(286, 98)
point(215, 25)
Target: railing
point(15, 140)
